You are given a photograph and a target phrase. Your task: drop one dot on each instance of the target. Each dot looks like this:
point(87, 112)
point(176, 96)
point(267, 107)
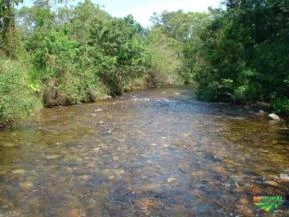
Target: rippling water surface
point(150, 153)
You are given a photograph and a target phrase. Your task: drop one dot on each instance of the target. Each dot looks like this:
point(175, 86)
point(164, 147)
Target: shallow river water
point(149, 153)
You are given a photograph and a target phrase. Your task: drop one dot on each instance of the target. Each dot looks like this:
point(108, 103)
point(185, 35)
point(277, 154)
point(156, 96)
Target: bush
point(280, 105)
point(63, 70)
point(119, 52)
point(252, 53)
point(16, 97)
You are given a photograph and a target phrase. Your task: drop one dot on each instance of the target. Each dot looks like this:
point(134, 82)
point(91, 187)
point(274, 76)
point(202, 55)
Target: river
point(149, 153)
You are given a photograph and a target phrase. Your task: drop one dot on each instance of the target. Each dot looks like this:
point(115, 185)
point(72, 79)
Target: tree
point(82, 17)
point(245, 54)
point(8, 40)
point(185, 29)
point(118, 52)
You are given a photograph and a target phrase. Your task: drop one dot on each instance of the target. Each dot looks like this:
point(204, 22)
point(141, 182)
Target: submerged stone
point(9, 145)
point(115, 158)
point(148, 204)
point(84, 178)
point(96, 149)
point(52, 157)
point(149, 187)
point(26, 185)
point(113, 173)
point(171, 180)
point(271, 183)
point(74, 213)
point(284, 177)
point(18, 171)
point(220, 169)
point(98, 110)
point(197, 174)
point(90, 164)
point(107, 97)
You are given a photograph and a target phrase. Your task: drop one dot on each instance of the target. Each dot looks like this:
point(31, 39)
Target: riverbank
point(259, 108)
point(19, 101)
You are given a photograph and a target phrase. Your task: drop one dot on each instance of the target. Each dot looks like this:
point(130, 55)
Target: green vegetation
point(237, 54)
point(166, 59)
point(65, 55)
point(245, 54)
point(16, 99)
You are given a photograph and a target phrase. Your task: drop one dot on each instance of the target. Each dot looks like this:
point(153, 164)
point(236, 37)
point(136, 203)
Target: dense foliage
point(9, 42)
point(182, 31)
point(77, 54)
point(245, 54)
point(121, 53)
point(16, 98)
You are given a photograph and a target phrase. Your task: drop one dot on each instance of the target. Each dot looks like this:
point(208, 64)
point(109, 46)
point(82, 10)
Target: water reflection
point(150, 153)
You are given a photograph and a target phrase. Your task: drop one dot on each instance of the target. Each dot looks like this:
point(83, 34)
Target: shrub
point(119, 52)
point(280, 105)
point(16, 97)
point(63, 70)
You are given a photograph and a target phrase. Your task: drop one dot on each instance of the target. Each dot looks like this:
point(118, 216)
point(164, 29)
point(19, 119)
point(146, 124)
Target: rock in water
point(26, 185)
point(284, 177)
point(272, 183)
point(74, 213)
point(9, 145)
point(18, 171)
point(171, 180)
point(274, 117)
point(98, 110)
point(52, 157)
point(107, 97)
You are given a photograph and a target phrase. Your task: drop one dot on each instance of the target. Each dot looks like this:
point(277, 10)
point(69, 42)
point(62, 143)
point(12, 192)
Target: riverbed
point(157, 152)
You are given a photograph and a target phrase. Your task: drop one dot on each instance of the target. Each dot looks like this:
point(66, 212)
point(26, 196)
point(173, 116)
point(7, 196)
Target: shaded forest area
point(55, 54)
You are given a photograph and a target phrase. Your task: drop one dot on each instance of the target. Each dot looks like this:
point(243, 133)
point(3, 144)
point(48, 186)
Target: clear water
point(150, 153)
